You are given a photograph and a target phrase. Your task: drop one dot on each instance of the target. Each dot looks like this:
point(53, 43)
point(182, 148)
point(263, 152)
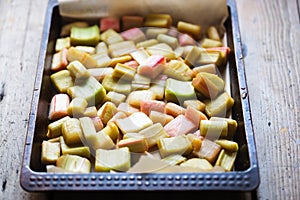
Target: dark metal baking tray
point(34, 177)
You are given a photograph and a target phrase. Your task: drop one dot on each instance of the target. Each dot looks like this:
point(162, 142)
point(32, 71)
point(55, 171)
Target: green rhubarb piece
point(219, 106)
point(213, 129)
point(89, 36)
point(153, 133)
point(90, 89)
point(77, 70)
point(74, 163)
point(83, 151)
point(115, 159)
point(136, 145)
point(179, 91)
point(226, 159)
point(174, 159)
point(71, 131)
point(232, 125)
point(62, 43)
point(116, 85)
point(62, 80)
point(174, 145)
point(124, 72)
point(54, 128)
point(228, 145)
point(50, 152)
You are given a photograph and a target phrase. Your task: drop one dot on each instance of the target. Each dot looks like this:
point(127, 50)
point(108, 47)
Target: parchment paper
point(202, 12)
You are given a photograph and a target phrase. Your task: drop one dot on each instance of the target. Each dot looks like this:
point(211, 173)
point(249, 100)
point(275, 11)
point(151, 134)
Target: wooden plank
point(270, 35)
point(20, 33)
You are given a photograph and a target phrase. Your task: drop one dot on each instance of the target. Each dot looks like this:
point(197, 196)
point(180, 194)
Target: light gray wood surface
point(270, 33)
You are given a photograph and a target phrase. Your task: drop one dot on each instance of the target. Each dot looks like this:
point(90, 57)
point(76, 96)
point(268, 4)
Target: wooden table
point(270, 32)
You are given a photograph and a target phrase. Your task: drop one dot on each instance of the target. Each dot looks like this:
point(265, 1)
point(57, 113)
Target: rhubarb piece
point(158, 86)
point(209, 150)
point(232, 125)
point(50, 152)
point(153, 133)
point(171, 41)
point(109, 23)
point(135, 97)
point(179, 91)
point(90, 111)
point(194, 115)
point(119, 115)
point(178, 70)
point(101, 48)
point(210, 57)
point(136, 145)
point(197, 163)
point(123, 72)
point(158, 20)
point(213, 129)
point(58, 106)
point(115, 159)
point(84, 58)
point(89, 36)
point(129, 22)
point(153, 32)
point(162, 49)
point(54, 128)
point(66, 29)
point(174, 109)
point(189, 28)
point(86, 49)
point(219, 106)
point(195, 140)
point(209, 68)
point(193, 56)
point(224, 52)
point(127, 108)
point(195, 103)
point(112, 130)
point(134, 123)
point(59, 60)
point(228, 145)
point(134, 34)
point(74, 163)
point(77, 70)
point(140, 55)
point(97, 123)
point(146, 106)
point(82, 151)
point(100, 73)
point(62, 80)
point(107, 111)
point(103, 60)
point(185, 39)
point(121, 48)
point(120, 59)
point(153, 66)
point(94, 139)
point(174, 145)
point(146, 43)
point(174, 159)
point(226, 160)
point(210, 85)
point(62, 43)
point(207, 43)
point(213, 33)
point(71, 131)
point(140, 82)
point(90, 89)
point(110, 36)
point(115, 97)
point(179, 126)
point(77, 107)
point(158, 117)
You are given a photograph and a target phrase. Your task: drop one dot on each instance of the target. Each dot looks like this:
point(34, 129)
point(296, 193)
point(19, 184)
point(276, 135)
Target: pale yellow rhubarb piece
point(101, 48)
point(62, 43)
point(209, 68)
point(127, 108)
point(174, 109)
point(123, 72)
point(153, 32)
point(83, 151)
point(227, 145)
point(74, 163)
point(174, 145)
point(86, 59)
point(86, 49)
point(78, 70)
point(170, 40)
point(192, 29)
point(157, 86)
point(121, 48)
point(178, 70)
point(107, 111)
point(54, 128)
point(158, 117)
point(100, 73)
point(174, 159)
point(112, 130)
point(90, 111)
point(71, 131)
point(207, 43)
point(213, 33)
point(219, 106)
point(77, 107)
point(140, 55)
point(50, 152)
point(193, 56)
point(209, 150)
point(210, 57)
point(110, 36)
point(140, 82)
point(158, 20)
point(200, 163)
point(213, 129)
point(116, 159)
point(116, 85)
point(153, 133)
point(226, 159)
point(162, 49)
point(120, 59)
point(147, 43)
point(195, 140)
point(195, 103)
point(62, 80)
point(103, 60)
point(115, 97)
point(232, 125)
point(135, 97)
point(136, 145)
point(134, 123)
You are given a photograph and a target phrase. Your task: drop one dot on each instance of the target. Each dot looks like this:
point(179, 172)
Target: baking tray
point(34, 177)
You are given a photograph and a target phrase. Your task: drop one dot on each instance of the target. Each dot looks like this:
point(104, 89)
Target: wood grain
point(270, 35)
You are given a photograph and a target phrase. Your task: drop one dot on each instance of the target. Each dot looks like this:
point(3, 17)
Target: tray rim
point(247, 180)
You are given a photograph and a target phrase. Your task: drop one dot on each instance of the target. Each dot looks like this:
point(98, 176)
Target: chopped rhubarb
point(147, 106)
point(59, 106)
point(179, 126)
point(153, 66)
point(129, 22)
point(134, 34)
point(109, 23)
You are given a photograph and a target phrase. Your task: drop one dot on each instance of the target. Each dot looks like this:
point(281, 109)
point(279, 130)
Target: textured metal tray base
point(34, 177)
